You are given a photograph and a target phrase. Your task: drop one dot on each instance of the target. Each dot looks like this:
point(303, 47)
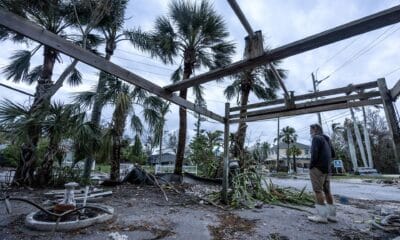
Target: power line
point(147, 64)
point(366, 48)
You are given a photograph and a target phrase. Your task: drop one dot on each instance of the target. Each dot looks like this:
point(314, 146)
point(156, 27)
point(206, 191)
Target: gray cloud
point(281, 23)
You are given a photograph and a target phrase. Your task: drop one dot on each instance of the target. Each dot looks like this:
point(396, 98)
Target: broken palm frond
point(250, 187)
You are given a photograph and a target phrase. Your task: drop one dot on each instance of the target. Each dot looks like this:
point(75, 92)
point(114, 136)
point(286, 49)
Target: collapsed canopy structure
point(290, 105)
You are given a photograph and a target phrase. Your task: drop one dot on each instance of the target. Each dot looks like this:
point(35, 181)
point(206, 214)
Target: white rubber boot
point(321, 216)
point(331, 213)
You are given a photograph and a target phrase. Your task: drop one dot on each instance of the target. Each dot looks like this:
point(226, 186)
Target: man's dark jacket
point(321, 153)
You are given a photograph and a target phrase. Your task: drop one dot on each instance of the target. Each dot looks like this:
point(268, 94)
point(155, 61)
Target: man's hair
point(316, 127)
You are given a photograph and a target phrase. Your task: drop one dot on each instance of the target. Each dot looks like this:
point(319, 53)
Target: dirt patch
point(277, 236)
point(232, 227)
point(160, 232)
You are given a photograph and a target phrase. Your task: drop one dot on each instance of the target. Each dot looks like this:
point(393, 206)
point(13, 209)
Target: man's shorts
point(319, 180)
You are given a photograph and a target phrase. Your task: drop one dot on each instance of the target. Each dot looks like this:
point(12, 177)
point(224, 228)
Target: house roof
point(283, 145)
point(166, 157)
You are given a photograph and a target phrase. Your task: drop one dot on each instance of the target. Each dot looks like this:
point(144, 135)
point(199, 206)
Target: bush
point(9, 156)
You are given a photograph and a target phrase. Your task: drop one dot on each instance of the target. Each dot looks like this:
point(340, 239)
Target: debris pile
point(249, 188)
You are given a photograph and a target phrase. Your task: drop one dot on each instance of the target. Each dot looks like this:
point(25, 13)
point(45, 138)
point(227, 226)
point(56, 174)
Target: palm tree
point(260, 81)
point(198, 34)
point(156, 119)
point(294, 151)
point(20, 124)
point(123, 98)
point(288, 136)
point(61, 123)
point(58, 17)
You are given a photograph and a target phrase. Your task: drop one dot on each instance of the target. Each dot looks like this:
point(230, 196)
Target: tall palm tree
point(194, 31)
point(111, 27)
point(294, 151)
point(123, 98)
point(260, 81)
point(56, 16)
point(288, 136)
point(156, 119)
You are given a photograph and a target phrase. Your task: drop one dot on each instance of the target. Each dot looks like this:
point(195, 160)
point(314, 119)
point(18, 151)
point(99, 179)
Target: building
point(167, 159)
point(302, 161)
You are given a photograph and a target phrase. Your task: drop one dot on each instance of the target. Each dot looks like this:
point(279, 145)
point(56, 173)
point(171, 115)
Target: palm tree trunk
point(242, 127)
point(45, 172)
point(288, 157)
point(358, 137)
point(118, 131)
point(367, 140)
point(294, 163)
point(24, 174)
point(180, 152)
point(189, 60)
point(98, 103)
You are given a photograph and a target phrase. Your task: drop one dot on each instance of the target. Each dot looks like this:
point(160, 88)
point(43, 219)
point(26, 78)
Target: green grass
point(105, 168)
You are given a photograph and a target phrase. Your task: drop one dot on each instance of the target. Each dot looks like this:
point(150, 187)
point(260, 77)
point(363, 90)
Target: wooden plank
point(343, 99)
point(372, 22)
point(391, 118)
point(242, 18)
point(35, 32)
point(296, 112)
point(395, 91)
point(345, 90)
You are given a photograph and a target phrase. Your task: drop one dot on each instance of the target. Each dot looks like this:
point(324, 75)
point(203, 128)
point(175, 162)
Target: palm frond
point(18, 69)
point(136, 124)
point(177, 75)
point(230, 92)
point(75, 78)
point(85, 99)
point(33, 75)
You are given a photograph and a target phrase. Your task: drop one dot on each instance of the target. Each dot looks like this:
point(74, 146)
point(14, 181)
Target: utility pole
point(315, 83)
point(277, 147)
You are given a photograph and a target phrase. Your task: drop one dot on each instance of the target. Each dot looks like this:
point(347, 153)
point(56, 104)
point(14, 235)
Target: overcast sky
point(359, 59)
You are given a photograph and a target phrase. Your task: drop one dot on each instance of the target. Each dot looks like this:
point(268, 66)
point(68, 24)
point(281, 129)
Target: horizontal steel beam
point(351, 29)
point(37, 33)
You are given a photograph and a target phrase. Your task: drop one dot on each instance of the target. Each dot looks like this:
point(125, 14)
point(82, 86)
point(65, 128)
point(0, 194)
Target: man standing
point(320, 166)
